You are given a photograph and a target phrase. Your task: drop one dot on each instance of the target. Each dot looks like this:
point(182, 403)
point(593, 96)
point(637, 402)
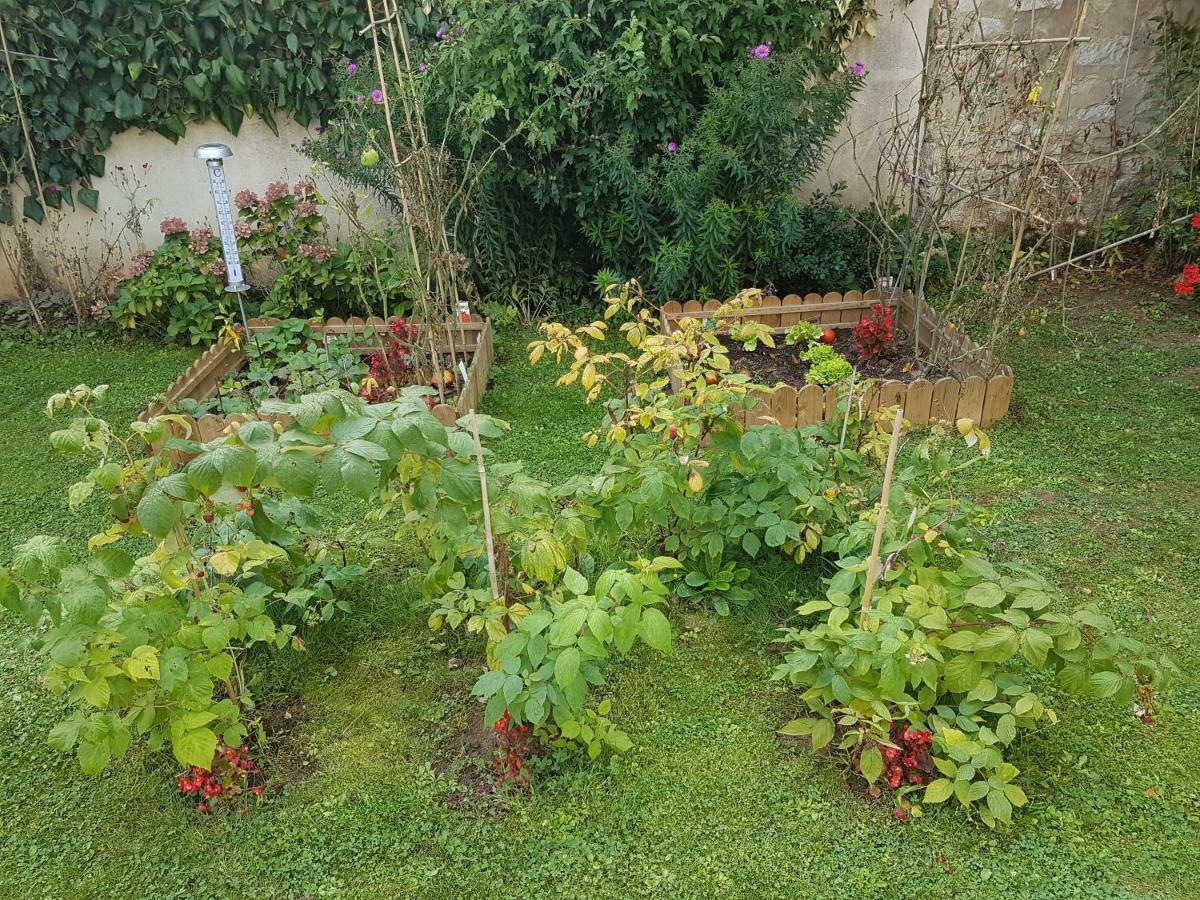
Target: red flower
point(1184, 288)
point(1196, 220)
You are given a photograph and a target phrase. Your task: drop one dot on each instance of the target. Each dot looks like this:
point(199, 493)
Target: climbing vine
point(86, 70)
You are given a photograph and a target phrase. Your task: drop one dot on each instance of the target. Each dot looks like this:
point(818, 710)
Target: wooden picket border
point(979, 388)
point(472, 339)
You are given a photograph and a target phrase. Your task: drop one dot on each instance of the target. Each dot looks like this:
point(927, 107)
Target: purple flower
point(351, 69)
point(458, 30)
point(441, 32)
point(762, 51)
point(672, 146)
point(422, 68)
point(52, 188)
point(359, 99)
point(413, 39)
point(377, 96)
point(859, 68)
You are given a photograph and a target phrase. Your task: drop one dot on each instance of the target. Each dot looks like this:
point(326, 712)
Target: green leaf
point(195, 747)
point(89, 197)
point(822, 733)
point(31, 209)
point(156, 512)
point(40, 556)
point(798, 727)
point(1006, 728)
point(488, 684)
point(751, 544)
point(655, 629)
point(870, 764)
point(142, 664)
point(111, 562)
point(938, 791)
point(1105, 684)
point(574, 582)
point(566, 667)
point(985, 595)
point(1000, 807)
point(618, 740)
point(97, 692)
point(1036, 646)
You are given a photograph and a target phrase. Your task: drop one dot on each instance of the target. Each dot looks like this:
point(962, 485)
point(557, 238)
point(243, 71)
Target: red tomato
point(828, 336)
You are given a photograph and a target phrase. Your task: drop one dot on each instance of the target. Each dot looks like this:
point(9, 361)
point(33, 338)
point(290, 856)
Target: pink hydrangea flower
point(172, 225)
point(245, 199)
point(243, 229)
point(199, 240)
point(305, 208)
point(276, 190)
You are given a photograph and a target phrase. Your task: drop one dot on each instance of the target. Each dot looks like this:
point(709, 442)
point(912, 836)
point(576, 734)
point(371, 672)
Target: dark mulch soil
point(769, 365)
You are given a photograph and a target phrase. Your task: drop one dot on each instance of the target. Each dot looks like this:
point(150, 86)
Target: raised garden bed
point(954, 377)
point(468, 341)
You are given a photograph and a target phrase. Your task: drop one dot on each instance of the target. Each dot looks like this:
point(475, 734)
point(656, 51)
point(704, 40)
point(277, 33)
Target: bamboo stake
point(873, 559)
point(849, 404)
point(487, 510)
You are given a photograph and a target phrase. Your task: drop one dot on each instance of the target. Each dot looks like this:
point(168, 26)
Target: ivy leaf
point(32, 209)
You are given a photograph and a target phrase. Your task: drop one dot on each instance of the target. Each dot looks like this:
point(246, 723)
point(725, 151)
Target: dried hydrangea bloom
point(276, 190)
point(173, 225)
point(245, 199)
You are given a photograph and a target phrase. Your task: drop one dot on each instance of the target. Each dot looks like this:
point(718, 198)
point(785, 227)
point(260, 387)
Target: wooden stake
point(873, 559)
point(487, 510)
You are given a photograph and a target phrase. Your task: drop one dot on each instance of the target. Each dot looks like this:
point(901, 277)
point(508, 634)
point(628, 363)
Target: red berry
point(208, 517)
point(900, 814)
point(672, 432)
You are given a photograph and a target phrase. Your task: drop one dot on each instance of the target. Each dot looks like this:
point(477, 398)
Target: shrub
point(158, 646)
point(718, 210)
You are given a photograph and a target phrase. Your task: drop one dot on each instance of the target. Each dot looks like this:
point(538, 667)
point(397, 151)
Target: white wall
point(177, 183)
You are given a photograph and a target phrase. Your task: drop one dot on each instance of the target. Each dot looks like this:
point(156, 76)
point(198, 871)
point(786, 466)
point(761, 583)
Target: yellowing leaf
point(226, 562)
point(695, 481)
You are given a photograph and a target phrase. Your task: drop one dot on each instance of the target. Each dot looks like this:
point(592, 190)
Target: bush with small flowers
point(1189, 278)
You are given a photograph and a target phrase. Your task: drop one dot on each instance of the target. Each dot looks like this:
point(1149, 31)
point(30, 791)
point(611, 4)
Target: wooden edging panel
point(978, 390)
point(200, 380)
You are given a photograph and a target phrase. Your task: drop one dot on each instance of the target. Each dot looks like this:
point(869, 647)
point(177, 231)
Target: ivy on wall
point(87, 70)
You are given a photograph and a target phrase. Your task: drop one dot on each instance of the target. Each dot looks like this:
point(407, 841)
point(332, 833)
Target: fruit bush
point(947, 648)
point(927, 687)
point(157, 646)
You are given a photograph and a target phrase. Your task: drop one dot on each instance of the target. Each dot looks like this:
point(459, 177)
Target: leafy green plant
point(719, 583)
point(803, 332)
point(717, 209)
point(826, 365)
point(946, 647)
point(157, 646)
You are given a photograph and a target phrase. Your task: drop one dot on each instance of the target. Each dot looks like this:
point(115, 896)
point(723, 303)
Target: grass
point(1094, 480)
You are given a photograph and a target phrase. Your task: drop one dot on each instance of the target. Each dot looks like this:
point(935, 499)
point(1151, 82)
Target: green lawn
point(1094, 479)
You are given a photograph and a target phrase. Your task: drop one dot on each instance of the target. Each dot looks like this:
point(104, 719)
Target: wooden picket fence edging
point(200, 380)
point(979, 389)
